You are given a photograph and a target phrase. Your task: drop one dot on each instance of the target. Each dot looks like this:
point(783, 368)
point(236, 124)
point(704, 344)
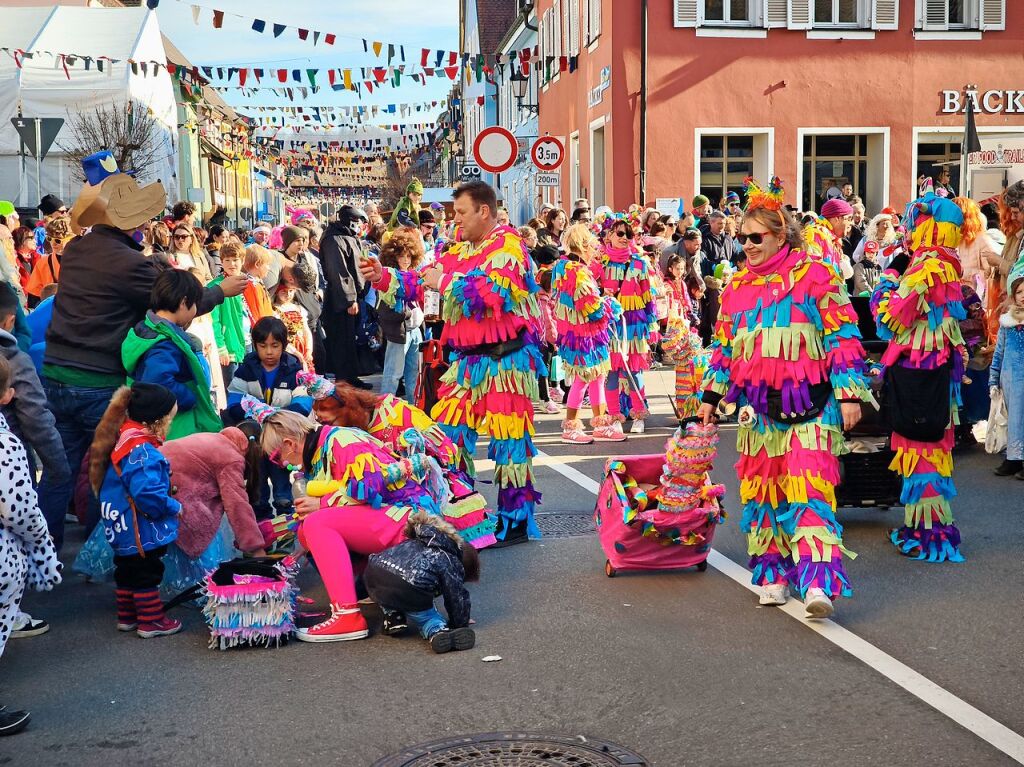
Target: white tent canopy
point(42, 88)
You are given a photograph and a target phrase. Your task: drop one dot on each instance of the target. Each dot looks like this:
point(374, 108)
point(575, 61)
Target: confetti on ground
point(491, 658)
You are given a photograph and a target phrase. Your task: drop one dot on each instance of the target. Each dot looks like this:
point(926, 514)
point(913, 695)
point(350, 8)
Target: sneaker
point(556, 394)
point(342, 626)
point(452, 639)
point(440, 641)
point(774, 594)
point(13, 722)
point(161, 628)
point(611, 433)
point(638, 426)
point(817, 604)
point(551, 407)
point(395, 623)
point(573, 434)
point(29, 627)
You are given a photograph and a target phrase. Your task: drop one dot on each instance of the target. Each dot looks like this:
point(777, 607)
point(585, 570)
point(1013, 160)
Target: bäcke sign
point(991, 102)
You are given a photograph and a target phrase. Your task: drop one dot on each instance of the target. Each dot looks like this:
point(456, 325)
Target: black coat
point(340, 251)
point(408, 576)
point(105, 282)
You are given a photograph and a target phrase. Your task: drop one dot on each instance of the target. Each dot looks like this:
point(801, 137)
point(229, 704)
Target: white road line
point(943, 701)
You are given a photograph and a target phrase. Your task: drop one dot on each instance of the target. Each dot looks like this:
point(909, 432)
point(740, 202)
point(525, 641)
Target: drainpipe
point(643, 103)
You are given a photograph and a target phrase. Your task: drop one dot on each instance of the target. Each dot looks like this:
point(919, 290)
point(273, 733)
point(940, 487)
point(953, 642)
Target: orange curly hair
point(973, 221)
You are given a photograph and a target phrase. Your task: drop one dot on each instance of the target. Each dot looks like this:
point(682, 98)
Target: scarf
point(770, 265)
point(132, 435)
point(618, 255)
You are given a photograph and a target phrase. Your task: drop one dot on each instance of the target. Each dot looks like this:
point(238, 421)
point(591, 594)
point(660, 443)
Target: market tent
point(62, 61)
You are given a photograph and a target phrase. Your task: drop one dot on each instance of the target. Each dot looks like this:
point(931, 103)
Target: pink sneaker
point(555, 392)
point(551, 407)
point(607, 429)
point(573, 434)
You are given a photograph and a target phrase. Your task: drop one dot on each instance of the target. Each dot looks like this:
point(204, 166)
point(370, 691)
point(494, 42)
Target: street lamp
point(520, 87)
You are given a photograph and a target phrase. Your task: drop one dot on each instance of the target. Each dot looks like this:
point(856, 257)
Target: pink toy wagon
point(638, 533)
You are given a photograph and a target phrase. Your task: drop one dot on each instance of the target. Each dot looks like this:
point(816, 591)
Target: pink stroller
point(639, 534)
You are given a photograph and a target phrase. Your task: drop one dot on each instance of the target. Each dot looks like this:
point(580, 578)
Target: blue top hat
point(98, 166)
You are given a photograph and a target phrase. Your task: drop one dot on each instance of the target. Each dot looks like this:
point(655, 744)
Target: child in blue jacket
point(133, 482)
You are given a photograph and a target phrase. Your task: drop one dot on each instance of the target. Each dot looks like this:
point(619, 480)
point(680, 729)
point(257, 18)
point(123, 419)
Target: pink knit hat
point(836, 208)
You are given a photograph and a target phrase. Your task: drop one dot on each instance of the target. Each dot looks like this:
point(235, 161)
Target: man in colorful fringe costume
point(918, 307)
point(491, 323)
point(787, 352)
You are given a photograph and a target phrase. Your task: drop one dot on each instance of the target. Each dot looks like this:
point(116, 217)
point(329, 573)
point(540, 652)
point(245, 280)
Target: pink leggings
point(332, 535)
point(596, 389)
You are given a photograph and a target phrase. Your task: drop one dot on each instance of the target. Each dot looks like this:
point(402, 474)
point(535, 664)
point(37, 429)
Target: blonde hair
point(257, 255)
point(284, 424)
point(578, 239)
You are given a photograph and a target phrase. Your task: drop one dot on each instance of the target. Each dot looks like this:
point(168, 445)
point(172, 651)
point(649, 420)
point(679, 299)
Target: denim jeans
point(402, 361)
point(78, 410)
point(429, 622)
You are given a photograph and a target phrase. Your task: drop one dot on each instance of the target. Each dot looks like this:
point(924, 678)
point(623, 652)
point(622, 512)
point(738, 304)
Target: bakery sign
point(986, 102)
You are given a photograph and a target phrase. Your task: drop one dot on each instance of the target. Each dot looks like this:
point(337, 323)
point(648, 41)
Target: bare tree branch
point(126, 129)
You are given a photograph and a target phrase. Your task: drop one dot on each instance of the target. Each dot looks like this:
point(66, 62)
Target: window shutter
point(934, 15)
point(776, 13)
point(801, 14)
point(993, 14)
point(885, 14)
point(574, 27)
point(686, 13)
point(556, 33)
point(597, 17)
point(566, 28)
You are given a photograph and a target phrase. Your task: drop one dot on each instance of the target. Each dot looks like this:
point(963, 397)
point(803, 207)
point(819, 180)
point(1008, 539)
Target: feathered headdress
point(316, 385)
point(758, 197)
point(256, 409)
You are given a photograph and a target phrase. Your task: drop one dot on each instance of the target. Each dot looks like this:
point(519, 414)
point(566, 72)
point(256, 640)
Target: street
point(680, 667)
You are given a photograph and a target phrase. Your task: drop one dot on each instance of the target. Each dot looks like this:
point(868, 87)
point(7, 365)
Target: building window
point(727, 11)
point(724, 162)
point(592, 21)
point(959, 15)
point(836, 13)
point(933, 156)
point(829, 163)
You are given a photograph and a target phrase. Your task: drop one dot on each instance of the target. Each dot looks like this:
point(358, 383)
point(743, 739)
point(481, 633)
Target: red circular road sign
point(495, 149)
point(547, 153)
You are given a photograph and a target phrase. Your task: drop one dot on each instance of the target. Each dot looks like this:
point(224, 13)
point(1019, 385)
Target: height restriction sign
point(547, 153)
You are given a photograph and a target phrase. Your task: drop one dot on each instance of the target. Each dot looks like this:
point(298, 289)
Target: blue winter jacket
point(285, 393)
point(146, 476)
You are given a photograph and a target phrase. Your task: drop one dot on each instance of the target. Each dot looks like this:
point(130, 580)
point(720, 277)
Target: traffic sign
point(48, 128)
point(548, 152)
point(495, 149)
point(549, 179)
point(469, 171)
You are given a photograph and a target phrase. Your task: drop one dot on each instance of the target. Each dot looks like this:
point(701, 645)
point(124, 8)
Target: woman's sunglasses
point(620, 233)
point(182, 237)
point(755, 238)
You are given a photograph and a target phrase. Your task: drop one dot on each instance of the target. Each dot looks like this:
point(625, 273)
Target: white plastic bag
point(995, 438)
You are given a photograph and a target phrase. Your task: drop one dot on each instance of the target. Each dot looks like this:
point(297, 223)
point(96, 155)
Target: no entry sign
point(495, 149)
point(547, 153)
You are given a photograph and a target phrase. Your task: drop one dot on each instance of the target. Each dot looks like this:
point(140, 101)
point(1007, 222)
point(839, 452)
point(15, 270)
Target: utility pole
point(643, 103)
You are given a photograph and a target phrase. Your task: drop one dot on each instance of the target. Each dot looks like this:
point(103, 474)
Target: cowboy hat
point(114, 198)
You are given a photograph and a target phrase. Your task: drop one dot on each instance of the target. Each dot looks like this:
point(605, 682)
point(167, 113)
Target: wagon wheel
point(702, 566)
point(608, 569)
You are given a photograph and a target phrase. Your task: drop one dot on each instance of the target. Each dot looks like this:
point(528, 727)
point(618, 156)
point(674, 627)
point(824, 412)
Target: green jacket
point(229, 325)
point(158, 352)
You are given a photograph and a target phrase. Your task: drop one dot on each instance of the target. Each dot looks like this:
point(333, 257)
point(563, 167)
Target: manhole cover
point(514, 749)
point(565, 525)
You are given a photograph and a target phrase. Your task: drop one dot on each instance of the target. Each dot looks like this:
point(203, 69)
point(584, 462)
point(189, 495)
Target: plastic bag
point(995, 438)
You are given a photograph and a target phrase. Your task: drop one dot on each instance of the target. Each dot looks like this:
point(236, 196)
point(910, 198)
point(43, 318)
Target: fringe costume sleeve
point(398, 289)
point(844, 355)
point(716, 379)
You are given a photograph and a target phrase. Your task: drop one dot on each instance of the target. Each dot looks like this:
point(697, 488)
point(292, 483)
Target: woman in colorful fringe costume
point(389, 419)
point(787, 352)
point(358, 495)
point(918, 307)
point(492, 326)
point(581, 320)
point(627, 277)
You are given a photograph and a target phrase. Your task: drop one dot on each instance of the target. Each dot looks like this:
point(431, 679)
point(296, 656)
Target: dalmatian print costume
point(27, 555)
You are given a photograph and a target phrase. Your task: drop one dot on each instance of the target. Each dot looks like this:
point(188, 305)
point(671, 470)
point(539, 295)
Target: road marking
point(967, 716)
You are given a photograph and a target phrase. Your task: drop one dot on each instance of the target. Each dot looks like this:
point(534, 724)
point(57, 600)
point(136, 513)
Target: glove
point(44, 569)
point(900, 263)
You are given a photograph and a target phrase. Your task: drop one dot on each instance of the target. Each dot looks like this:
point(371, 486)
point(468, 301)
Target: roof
point(494, 17)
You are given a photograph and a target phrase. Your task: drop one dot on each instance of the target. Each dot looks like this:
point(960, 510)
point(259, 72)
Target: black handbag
point(919, 402)
point(820, 394)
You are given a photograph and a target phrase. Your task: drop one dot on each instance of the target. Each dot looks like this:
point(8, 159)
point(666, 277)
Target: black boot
point(1006, 468)
point(12, 722)
point(510, 537)
point(395, 622)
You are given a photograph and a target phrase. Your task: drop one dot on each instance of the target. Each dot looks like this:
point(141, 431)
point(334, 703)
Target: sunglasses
point(755, 238)
point(620, 233)
point(182, 236)
point(275, 458)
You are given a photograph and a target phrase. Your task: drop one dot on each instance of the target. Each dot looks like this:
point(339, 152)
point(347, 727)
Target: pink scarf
point(771, 265)
point(621, 255)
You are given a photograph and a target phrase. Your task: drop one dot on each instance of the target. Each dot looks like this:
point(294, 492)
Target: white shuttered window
point(947, 15)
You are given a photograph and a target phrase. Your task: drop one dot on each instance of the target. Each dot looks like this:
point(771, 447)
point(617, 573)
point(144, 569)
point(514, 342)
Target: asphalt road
point(684, 668)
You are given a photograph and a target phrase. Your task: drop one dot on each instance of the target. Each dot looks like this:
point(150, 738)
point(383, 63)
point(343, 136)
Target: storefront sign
point(986, 102)
point(549, 179)
point(1001, 155)
point(668, 206)
point(596, 94)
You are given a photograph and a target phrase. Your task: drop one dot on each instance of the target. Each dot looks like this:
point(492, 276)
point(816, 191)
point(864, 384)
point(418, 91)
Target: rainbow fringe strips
point(785, 332)
point(581, 320)
point(691, 363)
point(919, 313)
point(254, 610)
point(626, 274)
point(493, 300)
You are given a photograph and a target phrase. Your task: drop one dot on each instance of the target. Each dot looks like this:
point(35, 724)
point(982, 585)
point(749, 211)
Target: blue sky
point(416, 24)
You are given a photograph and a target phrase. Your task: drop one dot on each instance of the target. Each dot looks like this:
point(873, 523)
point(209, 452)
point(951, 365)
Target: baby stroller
point(675, 530)
point(865, 480)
